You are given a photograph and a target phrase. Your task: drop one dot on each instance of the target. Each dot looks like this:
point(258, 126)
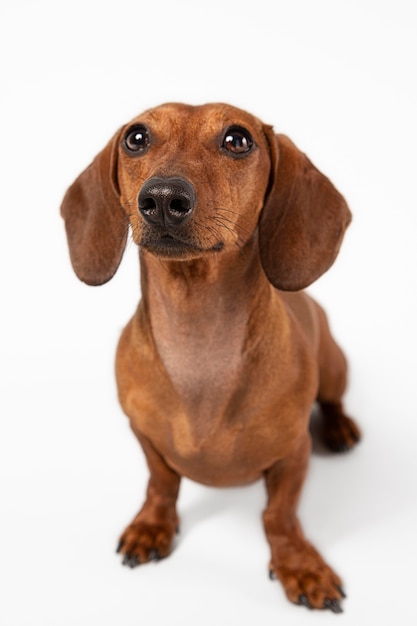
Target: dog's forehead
point(211, 117)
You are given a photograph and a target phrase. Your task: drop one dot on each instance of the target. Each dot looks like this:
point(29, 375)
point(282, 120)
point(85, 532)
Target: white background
point(337, 76)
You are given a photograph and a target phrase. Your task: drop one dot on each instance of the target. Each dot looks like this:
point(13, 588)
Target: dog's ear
point(95, 222)
point(303, 220)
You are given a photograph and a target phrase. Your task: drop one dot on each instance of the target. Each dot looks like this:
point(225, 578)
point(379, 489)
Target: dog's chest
point(216, 434)
point(202, 358)
point(214, 397)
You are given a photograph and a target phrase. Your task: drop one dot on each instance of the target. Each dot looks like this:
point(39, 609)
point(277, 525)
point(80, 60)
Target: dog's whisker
point(201, 228)
point(233, 225)
point(236, 224)
point(239, 241)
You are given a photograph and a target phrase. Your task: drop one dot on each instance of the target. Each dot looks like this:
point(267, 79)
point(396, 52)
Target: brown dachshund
point(222, 362)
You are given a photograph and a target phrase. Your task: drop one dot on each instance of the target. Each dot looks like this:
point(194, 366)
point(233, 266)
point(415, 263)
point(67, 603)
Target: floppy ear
point(303, 220)
point(95, 222)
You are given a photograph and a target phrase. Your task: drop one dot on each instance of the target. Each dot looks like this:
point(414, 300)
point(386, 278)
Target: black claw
point(119, 546)
point(272, 575)
point(131, 561)
point(333, 605)
point(154, 555)
point(304, 601)
point(134, 562)
point(341, 591)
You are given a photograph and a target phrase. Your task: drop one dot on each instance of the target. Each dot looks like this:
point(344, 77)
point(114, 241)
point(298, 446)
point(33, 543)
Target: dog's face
point(193, 180)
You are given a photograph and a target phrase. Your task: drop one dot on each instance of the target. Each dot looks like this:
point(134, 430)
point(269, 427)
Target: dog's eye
point(137, 139)
point(237, 141)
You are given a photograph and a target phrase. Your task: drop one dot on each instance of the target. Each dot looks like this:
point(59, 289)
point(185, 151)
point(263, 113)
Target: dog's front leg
point(306, 578)
point(151, 534)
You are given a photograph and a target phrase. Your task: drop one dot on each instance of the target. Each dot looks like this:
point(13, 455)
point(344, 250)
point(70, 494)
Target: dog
point(226, 354)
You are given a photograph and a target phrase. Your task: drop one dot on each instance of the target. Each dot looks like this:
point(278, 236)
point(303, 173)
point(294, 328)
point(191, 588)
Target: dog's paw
point(312, 584)
point(340, 433)
point(142, 542)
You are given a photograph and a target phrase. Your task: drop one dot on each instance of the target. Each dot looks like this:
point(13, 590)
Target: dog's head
point(194, 181)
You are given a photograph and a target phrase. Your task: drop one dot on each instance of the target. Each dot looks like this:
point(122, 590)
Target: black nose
point(166, 201)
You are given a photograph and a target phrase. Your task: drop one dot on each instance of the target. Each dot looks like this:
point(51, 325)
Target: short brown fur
point(225, 356)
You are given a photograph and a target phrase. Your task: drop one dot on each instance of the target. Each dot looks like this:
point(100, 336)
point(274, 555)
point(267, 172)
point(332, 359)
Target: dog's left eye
point(237, 141)
point(137, 139)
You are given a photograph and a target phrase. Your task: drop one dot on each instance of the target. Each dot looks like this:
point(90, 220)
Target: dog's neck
point(201, 315)
point(204, 287)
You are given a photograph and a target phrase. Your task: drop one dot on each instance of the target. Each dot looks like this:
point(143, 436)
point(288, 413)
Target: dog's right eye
point(137, 139)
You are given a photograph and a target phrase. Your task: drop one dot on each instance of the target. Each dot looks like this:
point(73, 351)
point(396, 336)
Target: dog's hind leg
point(339, 432)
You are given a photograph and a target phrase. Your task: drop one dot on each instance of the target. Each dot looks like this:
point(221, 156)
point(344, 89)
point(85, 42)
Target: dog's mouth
point(167, 245)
